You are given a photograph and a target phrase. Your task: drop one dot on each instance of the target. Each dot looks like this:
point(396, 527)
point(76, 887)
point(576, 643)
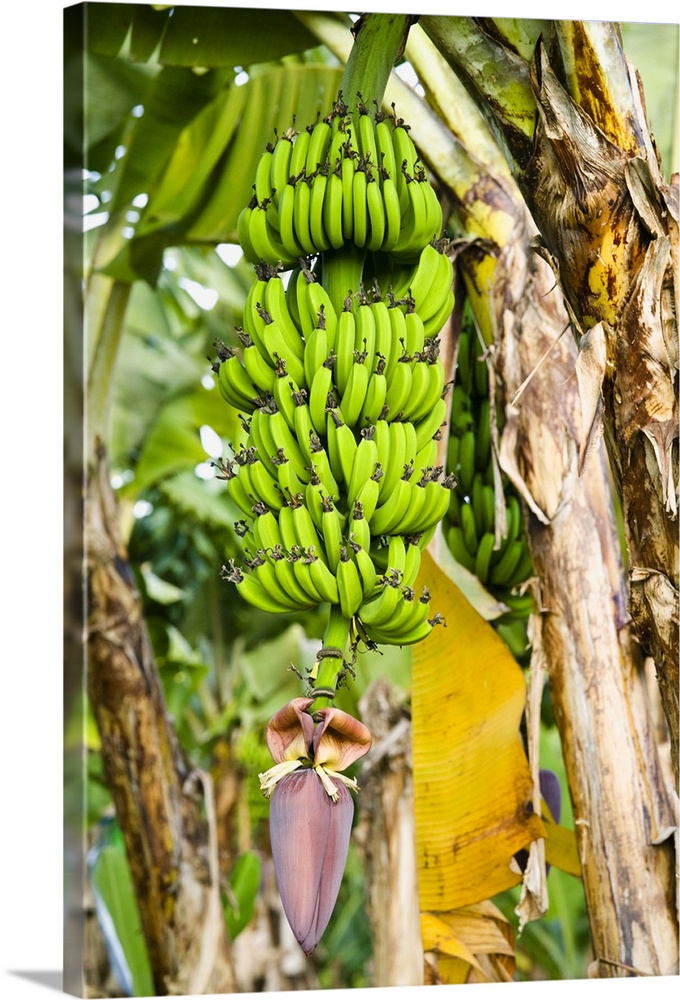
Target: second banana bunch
point(502, 565)
point(342, 397)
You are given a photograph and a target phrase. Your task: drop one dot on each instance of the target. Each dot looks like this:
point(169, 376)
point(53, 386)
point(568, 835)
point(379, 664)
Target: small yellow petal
point(269, 779)
point(326, 782)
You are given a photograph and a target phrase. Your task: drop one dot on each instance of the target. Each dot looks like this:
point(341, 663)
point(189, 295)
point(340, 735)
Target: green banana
point(321, 386)
point(350, 589)
point(280, 169)
point(317, 149)
point(298, 157)
point(260, 372)
point(333, 207)
point(375, 206)
point(317, 229)
point(342, 446)
point(363, 465)
point(276, 305)
point(235, 384)
point(359, 205)
point(315, 353)
point(354, 396)
point(376, 397)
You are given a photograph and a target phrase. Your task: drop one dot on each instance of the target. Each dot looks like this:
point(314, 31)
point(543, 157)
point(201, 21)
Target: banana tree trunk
point(386, 836)
point(623, 817)
point(611, 224)
point(581, 633)
point(580, 149)
point(158, 796)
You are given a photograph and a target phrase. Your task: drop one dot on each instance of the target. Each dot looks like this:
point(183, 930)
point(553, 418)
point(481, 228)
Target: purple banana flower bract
point(311, 812)
point(310, 840)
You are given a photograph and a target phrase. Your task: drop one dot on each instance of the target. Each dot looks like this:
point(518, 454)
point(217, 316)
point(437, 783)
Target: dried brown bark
point(386, 834)
point(590, 175)
point(610, 224)
point(623, 816)
point(159, 798)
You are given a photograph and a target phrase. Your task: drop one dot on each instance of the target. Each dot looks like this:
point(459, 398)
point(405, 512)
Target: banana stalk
point(378, 42)
point(330, 659)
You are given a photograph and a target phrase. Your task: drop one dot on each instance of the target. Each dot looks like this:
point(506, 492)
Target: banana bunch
point(338, 378)
point(351, 177)
point(336, 479)
point(469, 524)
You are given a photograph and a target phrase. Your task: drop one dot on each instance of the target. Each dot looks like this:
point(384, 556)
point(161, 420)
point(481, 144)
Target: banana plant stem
point(379, 40)
point(331, 657)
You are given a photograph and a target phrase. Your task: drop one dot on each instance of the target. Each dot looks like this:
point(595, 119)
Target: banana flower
point(311, 811)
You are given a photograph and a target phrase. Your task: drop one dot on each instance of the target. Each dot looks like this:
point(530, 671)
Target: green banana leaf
point(113, 88)
point(163, 362)
point(195, 36)
point(172, 100)
point(107, 26)
point(198, 175)
point(118, 915)
point(244, 883)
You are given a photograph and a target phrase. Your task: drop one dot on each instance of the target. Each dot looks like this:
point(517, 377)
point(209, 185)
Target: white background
point(30, 817)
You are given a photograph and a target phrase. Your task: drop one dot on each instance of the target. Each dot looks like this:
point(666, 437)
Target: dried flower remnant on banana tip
point(311, 809)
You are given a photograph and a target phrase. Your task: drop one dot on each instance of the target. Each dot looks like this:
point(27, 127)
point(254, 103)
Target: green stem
point(100, 376)
point(331, 656)
point(378, 44)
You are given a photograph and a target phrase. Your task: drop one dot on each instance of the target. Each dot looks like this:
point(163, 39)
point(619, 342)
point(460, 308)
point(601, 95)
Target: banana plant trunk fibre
point(385, 835)
point(171, 850)
point(611, 226)
point(623, 817)
point(575, 135)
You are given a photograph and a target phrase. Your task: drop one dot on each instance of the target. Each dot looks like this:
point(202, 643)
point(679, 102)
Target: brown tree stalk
point(590, 175)
point(386, 835)
point(623, 817)
point(163, 805)
point(610, 225)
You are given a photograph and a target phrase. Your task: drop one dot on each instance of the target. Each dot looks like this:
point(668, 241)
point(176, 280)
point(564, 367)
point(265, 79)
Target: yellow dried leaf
point(473, 944)
point(472, 784)
point(479, 931)
point(561, 850)
point(438, 936)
